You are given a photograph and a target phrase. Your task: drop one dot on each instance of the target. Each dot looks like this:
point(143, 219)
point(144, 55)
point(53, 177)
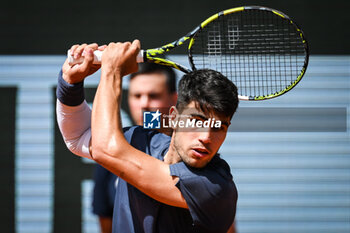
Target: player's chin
point(197, 161)
point(199, 164)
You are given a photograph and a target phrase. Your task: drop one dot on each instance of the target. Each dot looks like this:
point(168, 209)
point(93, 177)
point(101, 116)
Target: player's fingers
point(73, 48)
point(79, 50)
point(127, 44)
point(115, 48)
point(136, 44)
point(88, 60)
point(110, 46)
point(134, 50)
point(102, 47)
point(116, 45)
point(93, 46)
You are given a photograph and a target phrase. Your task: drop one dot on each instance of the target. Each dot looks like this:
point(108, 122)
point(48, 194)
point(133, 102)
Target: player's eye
point(222, 128)
point(196, 119)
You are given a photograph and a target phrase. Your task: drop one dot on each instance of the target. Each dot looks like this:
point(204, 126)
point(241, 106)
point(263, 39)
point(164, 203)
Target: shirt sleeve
point(73, 117)
point(74, 123)
point(211, 198)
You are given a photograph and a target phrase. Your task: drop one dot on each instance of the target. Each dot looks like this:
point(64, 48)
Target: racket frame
point(149, 55)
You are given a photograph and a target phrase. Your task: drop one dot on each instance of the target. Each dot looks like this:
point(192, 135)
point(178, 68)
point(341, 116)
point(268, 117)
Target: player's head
point(203, 96)
point(152, 87)
point(210, 90)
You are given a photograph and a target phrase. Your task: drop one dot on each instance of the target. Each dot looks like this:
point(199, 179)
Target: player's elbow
point(76, 148)
point(102, 150)
point(72, 146)
point(79, 145)
point(98, 154)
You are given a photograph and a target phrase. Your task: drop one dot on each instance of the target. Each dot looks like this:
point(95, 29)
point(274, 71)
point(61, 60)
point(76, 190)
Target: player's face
point(148, 92)
point(197, 146)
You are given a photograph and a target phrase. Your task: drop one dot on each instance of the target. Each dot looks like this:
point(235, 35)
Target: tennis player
point(168, 184)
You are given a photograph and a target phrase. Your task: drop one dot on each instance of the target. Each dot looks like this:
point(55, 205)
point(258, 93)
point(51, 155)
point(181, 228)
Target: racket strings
point(258, 51)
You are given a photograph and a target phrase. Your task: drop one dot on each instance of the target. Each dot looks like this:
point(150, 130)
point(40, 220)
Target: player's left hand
point(78, 72)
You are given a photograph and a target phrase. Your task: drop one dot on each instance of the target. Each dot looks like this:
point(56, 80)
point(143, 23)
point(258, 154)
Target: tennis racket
point(259, 49)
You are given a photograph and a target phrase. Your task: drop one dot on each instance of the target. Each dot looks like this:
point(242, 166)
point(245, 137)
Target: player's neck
point(171, 157)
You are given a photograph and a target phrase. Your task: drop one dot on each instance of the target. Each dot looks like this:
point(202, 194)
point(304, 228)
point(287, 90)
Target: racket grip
point(97, 58)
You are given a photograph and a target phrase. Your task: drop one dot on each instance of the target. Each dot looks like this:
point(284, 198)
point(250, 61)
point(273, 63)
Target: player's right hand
point(121, 57)
point(78, 72)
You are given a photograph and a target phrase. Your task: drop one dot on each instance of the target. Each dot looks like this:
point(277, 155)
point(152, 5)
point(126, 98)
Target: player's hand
point(77, 73)
point(121, 58)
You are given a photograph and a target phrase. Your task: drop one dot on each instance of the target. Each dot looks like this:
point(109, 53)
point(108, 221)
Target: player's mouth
point(200, 152)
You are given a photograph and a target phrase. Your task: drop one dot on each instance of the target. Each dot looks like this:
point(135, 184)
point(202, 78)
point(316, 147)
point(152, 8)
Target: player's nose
point(205, 135)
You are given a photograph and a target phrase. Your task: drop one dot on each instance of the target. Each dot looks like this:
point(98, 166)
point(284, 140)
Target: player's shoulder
point(139, 131)
point(136, 131)
point(217, 172)
point(149, 141)
point(210, 193)
point(220, 167)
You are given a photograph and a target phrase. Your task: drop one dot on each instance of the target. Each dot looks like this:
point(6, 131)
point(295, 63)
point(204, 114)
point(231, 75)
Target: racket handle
point(97, 58)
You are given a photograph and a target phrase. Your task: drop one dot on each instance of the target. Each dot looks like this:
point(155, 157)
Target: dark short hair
point(211, 91)
point(149, 68)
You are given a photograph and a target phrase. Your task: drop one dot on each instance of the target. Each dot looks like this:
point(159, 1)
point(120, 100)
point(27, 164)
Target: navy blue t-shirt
point(104, 192)
point(209, 192)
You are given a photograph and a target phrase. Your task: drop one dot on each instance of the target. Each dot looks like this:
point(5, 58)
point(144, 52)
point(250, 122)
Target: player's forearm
point(107, 134)
point(73, 117)
point(118, 60)
point(74, 124)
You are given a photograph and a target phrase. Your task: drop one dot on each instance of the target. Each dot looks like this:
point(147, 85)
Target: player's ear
point(173, 115)
point(173, 112)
